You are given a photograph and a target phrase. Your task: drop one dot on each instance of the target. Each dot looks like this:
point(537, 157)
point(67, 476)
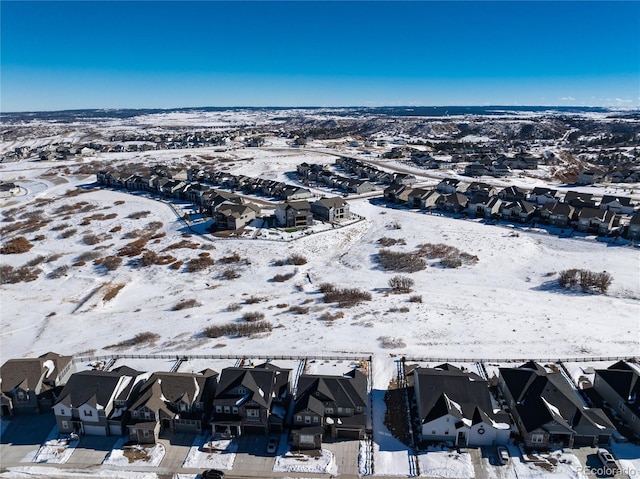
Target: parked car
point(212, 474)
point(272, 445)
point(608, 461)
point(503, 455)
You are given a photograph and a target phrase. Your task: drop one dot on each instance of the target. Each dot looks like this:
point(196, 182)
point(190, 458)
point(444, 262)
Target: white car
point(608, 461)
point(503, 455)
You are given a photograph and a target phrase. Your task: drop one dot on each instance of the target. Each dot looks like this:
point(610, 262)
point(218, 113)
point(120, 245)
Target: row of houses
point(230, 211)
point(573, 209)
point(533, 403)
point(541, 408)
point(239, 400)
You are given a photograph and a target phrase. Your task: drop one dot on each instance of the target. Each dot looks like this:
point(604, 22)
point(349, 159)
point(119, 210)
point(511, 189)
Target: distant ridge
point(426, 111)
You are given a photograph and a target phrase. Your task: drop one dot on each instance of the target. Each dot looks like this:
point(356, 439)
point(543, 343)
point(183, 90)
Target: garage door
point(115, 430)
point(95, 430)
point(254, 430)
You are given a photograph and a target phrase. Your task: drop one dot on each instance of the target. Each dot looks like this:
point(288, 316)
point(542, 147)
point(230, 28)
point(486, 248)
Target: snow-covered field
point(321, 462)
point(54, 450)
point(506, 305)
point(446, 463)
point(222, 455)
point(149, 456)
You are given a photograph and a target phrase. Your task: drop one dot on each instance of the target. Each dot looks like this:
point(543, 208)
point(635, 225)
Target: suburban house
point(329, 406)
point(619, 386)
point(512, 193)
point(542, 196)
point(617, 204)
point(633, 231)
point(178, 402)
point(294, 214)
point(557, 214)
point(95, 402)
point(518, 210)
point(453, 203)
point(595, 220)
point(549, 412)
point(397, 193)
point(30, 385)
point(578, 199)
point(233, 217)
point(330, 209)
point(456, 406)
point(251, 400)
point(423, 199)
point(479, 206)
point(451, 185)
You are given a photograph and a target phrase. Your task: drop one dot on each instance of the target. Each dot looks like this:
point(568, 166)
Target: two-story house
point(95, 402)
point(549, 412)
point(251, 400)
point(329, 406)
point(619, 386)
point(178, 402)
point(30, 385)
point(456, 406)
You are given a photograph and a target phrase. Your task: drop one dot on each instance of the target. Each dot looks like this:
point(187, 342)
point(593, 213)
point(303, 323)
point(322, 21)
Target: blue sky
point(145, 54)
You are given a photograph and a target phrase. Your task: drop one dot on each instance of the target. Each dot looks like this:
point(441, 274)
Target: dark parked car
point(212, 474)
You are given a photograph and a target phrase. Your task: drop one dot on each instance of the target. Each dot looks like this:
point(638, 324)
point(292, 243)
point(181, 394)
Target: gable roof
point(33, 374)
point(332, 202)
point(542, 398)
point(96, 388)
point(447, 389)
point(261, 382)
point(348, 391)
point(624, 379)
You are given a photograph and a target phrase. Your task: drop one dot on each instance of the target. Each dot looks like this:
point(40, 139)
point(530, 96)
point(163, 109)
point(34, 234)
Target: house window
point(88, 412)
point(298, 418)
point(218, 408)
point(358, 408)
point(147, 415)
point(622, 407)
point(633, 418)
point(242, 390)
point(146, 433)
point(307, 419)
point(446, 431)
point(433, 432)
point(65, 424)
point(227, 410)
point(183, 407)
point(339, 410)
point(21, 396)
point(61, 413)
point(537, 438)
point(235, 410)
point(328, 410)
point(315, 419)
point(253, 413)
point(348, 410)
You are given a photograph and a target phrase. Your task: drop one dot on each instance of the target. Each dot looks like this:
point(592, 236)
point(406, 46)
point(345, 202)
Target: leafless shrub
point(176, 265)
point(589, 281)
point(154, 225)
point(68, 233)
point(281, 278)
point(78, 264)
point(416, 298)
point(150, 258)
point(394, 225)
point(59, 272)
point(38, 237)
point(91, 239)
point(134, 248)
point(207, 246)
point(253, 316)
point(282, 305)
point(115, 229)
point(35, 261)
point(386, 242)
point(88, 256)
point(326, 287)
point(400, 262)
point(401, 284)
point(432, 251)
point(238, 329)
point(254, 299)
point(294, 259)
point(139, 215)
point(182, 244)
point(230, 273)
point(186, 304)
point(327, 316)
point(234, 307)
point(199, 263)
point(17, 245)
point(11, 275)
point(402, 309)
point(137, 340)
point(111, 290)
point(110, 263)
point(452, 261)
point(346, 297)
point(298, 310)
point(118, 202)
point(233, 258)
point(53, 257)
point(389, 342)
point(60, 227)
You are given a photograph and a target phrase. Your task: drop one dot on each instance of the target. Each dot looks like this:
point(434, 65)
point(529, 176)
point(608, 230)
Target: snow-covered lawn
point(628, 456)
point(322, 462)
point(443, 462)
point(135, 456)
point(221, 456)
point(53, 473)
point(54, 450)
point(554, 465)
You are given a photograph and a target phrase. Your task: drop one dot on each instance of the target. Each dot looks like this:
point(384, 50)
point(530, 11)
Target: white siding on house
point(88, 414)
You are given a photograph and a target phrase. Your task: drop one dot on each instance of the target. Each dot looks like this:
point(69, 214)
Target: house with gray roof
point(171, 401)
point(619, 386)
point(235, 216)
point(456, 406)
point(251, 400)
point(633, 230)
point(549, 412)
point(30, 385)
point(331, 209)
point(95, 402)
point(294, 214)
point(329, 407)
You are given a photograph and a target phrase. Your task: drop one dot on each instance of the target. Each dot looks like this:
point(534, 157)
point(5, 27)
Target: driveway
point(176, 448)
point(24, 436)
point(346, 454)
point(92, 450)
point(252, 457)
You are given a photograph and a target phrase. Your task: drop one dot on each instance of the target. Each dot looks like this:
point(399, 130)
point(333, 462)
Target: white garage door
point(95, 430)
point(306, 439)
point(115, 430)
